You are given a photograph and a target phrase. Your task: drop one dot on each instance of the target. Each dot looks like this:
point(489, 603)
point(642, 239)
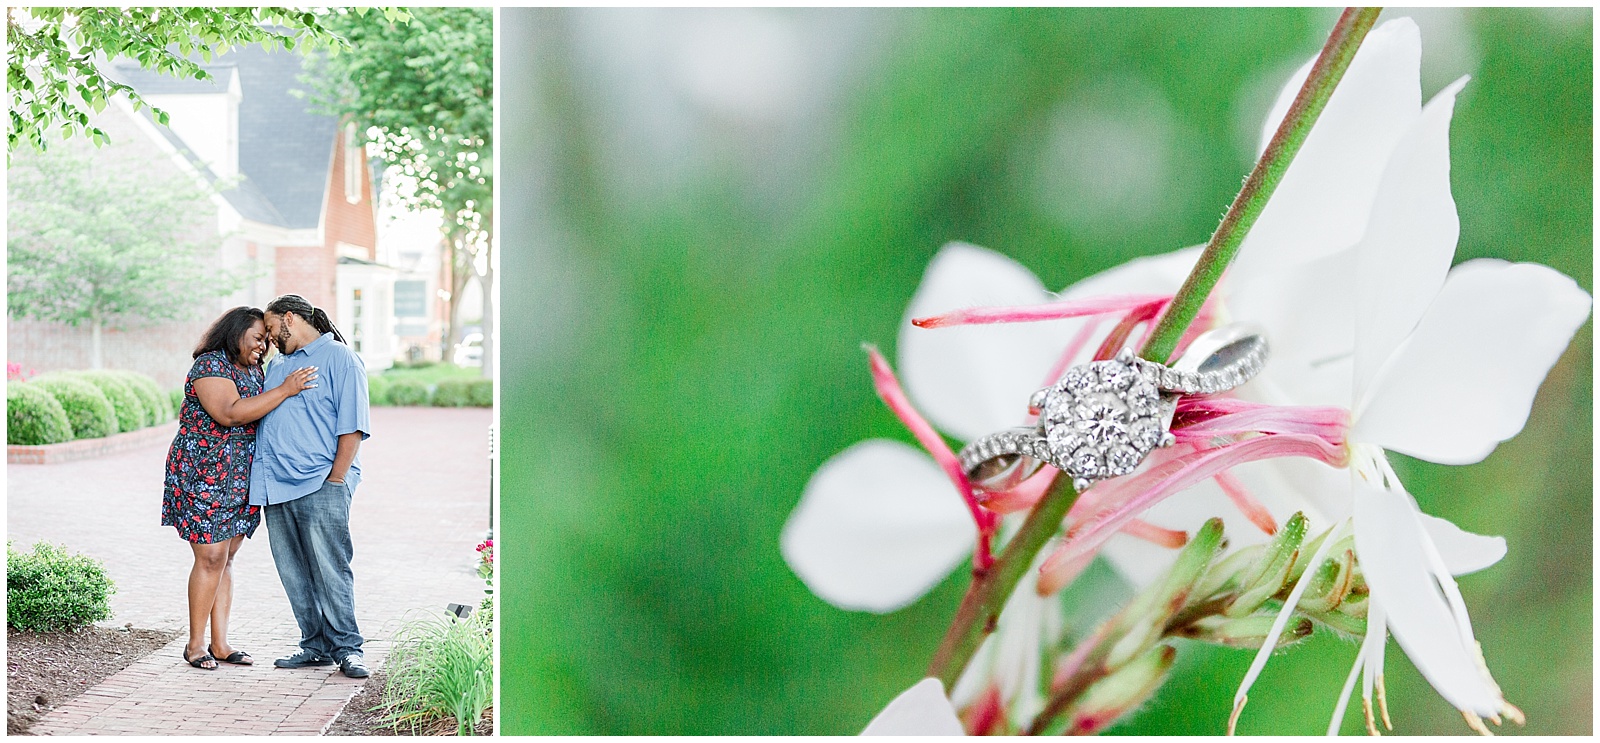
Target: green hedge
point(176, 397)
point(459, 393)
point(49, 590)
point(87, 408)
point(480, 394)
point(33, 416)
point(378, 390)
point(408, 392)
point(450, 393)
point(131, 412)
point(156, 404)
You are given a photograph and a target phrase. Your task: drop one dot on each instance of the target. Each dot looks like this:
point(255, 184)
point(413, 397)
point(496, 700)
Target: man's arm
point(348, 444)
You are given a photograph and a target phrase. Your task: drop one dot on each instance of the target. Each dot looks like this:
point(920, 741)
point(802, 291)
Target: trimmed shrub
point(176, 397)
point(377, 390)
point(131, 414)
point(33, 416)
point(156, 405)
point(451, 393)
point(87, 408)
point(480, 393)
point(49, 590)
point(408, 392)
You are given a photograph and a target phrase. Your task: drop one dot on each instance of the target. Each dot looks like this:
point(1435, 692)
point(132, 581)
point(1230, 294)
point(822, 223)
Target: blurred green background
point(706, 212)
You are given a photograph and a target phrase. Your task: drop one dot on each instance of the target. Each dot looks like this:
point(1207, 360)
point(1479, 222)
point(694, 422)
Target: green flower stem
point(980, 608)
point(1347, 34)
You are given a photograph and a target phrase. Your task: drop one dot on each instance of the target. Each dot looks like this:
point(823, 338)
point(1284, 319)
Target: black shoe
point(303, 659)
point(354, 666)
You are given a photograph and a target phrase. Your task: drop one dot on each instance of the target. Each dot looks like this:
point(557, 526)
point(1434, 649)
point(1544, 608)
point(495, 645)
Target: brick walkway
point(422, 505)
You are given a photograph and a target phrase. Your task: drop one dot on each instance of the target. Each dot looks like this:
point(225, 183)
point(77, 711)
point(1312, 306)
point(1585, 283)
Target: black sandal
point(238, 658)
point(200, 660)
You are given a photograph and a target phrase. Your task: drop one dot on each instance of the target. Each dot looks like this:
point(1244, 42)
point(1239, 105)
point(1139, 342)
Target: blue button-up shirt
point(295, 443)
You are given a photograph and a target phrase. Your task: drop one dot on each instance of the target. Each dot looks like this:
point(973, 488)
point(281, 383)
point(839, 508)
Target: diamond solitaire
point(1104, 417)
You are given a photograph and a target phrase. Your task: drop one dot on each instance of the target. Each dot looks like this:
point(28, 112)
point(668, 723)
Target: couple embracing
point(282, 441)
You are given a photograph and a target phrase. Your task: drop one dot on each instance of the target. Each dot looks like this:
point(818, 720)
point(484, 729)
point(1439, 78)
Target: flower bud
point(1229, 572)
point(1127, 688)
point(1245, 632)
point(1272, 570)
point(1330, 584)
point(1145, 619)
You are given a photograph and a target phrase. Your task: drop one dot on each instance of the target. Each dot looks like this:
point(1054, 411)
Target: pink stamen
point(1203, 419)
point(1247, 504)
point(1118, 337)
point(1106, 494)
point(1040, 312)
point(1159, 482)
point(1161, 537)
point(889, 390)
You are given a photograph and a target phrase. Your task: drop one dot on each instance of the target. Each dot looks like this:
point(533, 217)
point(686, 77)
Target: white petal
point(877, 526)
point(1410, 239)
point(919, 710)
point(974, 380)
point(1389, 543)
point(1308, 313)
point(1321, 204)
point(1462, 551)
point(1465, 380)
point(1154, 274)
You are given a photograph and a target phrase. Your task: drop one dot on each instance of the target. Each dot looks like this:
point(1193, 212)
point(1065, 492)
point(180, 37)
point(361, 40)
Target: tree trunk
point(460, 273)
point(94, 340)
point(490, 339)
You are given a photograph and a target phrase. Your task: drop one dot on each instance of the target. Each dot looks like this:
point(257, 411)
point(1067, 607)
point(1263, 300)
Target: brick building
point(295, 209)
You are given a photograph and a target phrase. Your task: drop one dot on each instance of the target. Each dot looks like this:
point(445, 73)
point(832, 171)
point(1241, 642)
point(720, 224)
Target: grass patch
point(441, 669)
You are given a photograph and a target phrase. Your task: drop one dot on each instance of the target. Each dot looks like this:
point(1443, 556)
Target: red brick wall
point(311, 271)
point(308, 271)
point(352, 224)
point(162, 351)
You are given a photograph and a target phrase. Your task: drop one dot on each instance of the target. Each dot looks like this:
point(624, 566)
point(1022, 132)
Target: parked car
point(469, 352)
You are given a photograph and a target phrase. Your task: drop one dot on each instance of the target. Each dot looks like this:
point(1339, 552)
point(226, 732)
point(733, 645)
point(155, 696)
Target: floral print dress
point(207, 494)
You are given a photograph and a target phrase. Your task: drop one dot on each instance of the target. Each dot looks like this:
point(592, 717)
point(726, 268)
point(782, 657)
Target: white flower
point(880, 524)
point(1349, 271)
point(919, 710)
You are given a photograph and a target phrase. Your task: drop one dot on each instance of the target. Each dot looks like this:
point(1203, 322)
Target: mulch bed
point(45, 669)
point(359, 717)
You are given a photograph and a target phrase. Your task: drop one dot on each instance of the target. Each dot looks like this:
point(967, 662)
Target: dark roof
point(285, 150)
point(346, 260)
point(242, 193)
point(155, 83)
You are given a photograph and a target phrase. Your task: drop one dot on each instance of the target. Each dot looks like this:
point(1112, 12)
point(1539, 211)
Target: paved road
point(422, 505)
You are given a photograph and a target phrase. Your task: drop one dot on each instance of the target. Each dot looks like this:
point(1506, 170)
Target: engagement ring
point(1104, 417)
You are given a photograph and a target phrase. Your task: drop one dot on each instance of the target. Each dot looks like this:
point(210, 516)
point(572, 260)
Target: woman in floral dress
point(207, 494)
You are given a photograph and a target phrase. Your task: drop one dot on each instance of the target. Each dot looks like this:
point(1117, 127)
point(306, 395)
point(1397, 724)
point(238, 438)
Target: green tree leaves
point(54, 65)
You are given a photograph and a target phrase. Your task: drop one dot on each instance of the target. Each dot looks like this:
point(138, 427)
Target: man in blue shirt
point(305, 471)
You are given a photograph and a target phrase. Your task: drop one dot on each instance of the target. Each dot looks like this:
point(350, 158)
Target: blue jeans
point(310, 538)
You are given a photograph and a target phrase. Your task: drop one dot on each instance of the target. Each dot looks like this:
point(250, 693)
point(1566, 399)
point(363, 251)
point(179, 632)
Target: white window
point(352, 164)
point(358, 324)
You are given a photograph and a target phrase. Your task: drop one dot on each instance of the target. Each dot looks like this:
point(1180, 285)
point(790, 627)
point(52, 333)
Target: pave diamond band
point(1101, 419)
